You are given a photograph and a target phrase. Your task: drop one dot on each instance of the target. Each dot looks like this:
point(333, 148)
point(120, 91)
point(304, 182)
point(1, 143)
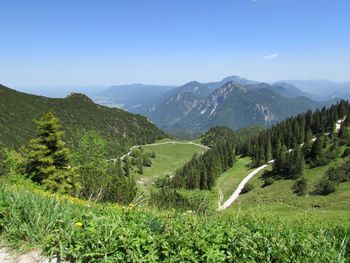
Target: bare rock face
point(265, 111)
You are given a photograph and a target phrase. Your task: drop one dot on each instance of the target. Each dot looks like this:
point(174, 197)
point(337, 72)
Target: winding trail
point(238, 190)
point(159, 143)
point(240, 187)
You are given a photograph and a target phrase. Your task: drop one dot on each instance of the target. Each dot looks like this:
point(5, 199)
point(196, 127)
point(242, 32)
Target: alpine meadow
point(184, 131)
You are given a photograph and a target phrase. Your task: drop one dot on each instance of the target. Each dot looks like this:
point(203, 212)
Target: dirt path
point(238, 190)
point(8, 256)
point(160, 143)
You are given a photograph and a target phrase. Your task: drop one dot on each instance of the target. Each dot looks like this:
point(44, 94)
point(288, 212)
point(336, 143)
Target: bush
point(147, 162)
point(268, 181)
point(346, 153)
point(247, 188)
point(325, 187)
point(300, 186)
point(340, 173)
point(10, 162)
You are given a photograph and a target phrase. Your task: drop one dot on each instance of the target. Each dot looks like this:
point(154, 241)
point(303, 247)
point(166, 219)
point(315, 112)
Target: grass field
point(279, 199)
point(230, 179)
point(169, 157)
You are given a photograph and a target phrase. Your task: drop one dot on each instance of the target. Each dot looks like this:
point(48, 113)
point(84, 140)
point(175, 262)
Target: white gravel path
point(238, 190)
point(8, 256)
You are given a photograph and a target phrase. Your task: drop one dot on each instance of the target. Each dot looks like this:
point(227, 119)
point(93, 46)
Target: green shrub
point(340, 173)
point(300, 186)
point(147, 162)
point(268, 181)
point(11, 162)
point(247, 188)
point(325, 187)
point(346, 153)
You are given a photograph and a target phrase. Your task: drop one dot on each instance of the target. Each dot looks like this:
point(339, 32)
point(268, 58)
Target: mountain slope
point(178, 103)
point(76, 112)
point(238, 106)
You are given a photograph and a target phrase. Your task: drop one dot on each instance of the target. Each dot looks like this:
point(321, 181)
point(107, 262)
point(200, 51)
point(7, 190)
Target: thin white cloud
point(270, 56)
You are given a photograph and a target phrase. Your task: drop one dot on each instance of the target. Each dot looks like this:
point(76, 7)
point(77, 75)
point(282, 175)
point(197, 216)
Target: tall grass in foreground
point(84, 232)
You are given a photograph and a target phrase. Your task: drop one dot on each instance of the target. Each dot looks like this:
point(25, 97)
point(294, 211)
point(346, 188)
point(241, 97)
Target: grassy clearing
point(279, 199)
point(79, 231)
point(229, 180)
point(169, 157)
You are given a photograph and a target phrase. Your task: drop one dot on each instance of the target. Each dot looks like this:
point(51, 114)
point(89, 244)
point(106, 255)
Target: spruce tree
point(48, 158)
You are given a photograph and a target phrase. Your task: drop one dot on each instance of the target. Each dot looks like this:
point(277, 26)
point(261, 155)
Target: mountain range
point(193, 108)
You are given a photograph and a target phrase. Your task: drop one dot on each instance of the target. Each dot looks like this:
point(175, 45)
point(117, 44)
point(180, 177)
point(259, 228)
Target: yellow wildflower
point(78, 224)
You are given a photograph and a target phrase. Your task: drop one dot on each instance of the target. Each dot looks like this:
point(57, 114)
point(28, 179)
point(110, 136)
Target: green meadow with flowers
point(77, 230)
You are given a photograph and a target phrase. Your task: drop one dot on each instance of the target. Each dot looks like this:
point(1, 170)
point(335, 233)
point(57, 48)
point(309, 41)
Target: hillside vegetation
point(76, 230)
point(76, 113)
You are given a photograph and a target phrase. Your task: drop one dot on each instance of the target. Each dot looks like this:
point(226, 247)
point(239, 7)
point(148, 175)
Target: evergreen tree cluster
point(297, 131)
point(139, 159)
point(202, 170)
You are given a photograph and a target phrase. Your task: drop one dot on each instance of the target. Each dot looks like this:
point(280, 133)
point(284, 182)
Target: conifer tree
point(48, 158)
point(126, 166)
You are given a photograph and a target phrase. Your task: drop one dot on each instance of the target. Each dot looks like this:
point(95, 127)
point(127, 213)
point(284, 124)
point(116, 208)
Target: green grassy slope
point(169, 157)
point(229, 180)
point(280, 200)
point(76, 112)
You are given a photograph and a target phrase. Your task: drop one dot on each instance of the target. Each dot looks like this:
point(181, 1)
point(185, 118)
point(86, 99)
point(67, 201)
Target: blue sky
point(67, 43)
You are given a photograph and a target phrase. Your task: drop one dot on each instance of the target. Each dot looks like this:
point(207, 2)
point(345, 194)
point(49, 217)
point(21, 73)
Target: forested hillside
point(76, 112)
point(314, 138)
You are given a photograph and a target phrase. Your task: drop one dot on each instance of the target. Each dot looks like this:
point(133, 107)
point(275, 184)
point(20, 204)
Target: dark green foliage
point(300, 186)
point(47, 159)
point(127, 166)
point(147, 162)
point(219, 135)
point(299, 130)
point(288, 164)
point(139, 166)
point(166, 198)
point(340, 173)
point(76, 112)
point(325, 187)
point(346, 153)
point(247, 188)
point(202, 170)
point(268, 181)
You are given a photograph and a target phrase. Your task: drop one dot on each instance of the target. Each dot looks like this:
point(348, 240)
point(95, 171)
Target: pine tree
point(48, 158)
point(139, 166)
point(316, 149)
point(127, 166)
point(296, 163)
